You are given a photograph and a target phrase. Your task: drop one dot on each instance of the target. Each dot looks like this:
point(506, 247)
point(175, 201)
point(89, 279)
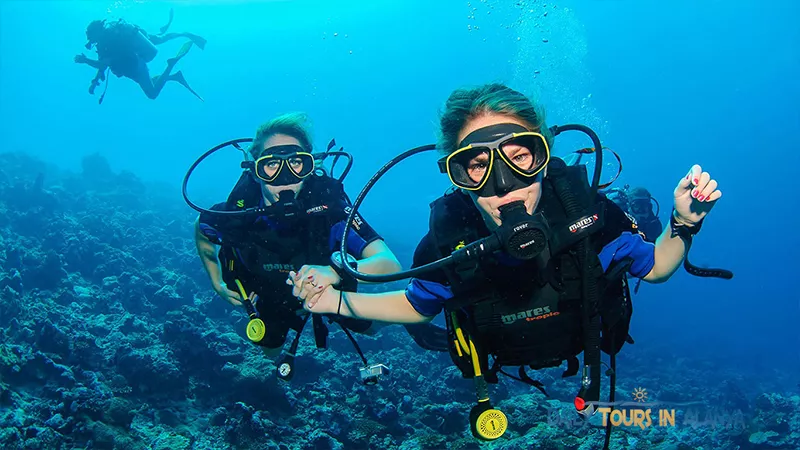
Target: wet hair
point(295, 124)
point(466, 104)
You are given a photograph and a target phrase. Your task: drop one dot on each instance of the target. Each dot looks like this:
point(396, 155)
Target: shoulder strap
point(454, 222)
point(245, 194)
point(583, 215)
point(450, 220)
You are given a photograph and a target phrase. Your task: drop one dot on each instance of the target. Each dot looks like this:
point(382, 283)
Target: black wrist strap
point(685, 232)
point(348, 282)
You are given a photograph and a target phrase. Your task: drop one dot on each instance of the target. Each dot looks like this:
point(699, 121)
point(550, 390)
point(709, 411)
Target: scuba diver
point(527, 260)
point(286, 214)
point(125, 49)
point(639, 203)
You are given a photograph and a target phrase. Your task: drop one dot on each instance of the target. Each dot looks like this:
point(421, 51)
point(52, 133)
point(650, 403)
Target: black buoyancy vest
point(526, 315)
point(262, 256)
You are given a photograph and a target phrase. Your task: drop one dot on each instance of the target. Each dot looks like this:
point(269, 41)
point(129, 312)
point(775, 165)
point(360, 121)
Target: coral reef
point(110, 337)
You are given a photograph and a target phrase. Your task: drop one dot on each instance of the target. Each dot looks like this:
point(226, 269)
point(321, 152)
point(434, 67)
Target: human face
point(530, 195)
point(272, 193)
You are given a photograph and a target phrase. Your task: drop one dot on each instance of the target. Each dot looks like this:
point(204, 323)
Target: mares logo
point(583, 223)
point(530, 315)
point(278, 267)
point(317, 209)
point(357, 222)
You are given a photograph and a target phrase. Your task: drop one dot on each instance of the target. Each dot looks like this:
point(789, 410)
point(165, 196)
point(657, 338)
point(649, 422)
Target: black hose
point(197, 163)
point(359, 199)
point(598, 155)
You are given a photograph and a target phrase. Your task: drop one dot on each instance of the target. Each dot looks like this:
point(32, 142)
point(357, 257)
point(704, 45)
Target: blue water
point(665, 84)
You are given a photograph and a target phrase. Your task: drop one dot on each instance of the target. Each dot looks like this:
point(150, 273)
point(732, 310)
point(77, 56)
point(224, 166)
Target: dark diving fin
point(178, 76)
point(429, 336)
point(181, 53)
point(166, 27)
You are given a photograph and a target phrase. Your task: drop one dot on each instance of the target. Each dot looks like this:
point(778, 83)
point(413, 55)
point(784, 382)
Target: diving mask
point(284, 164)
point(497, 159)
point(641, 206)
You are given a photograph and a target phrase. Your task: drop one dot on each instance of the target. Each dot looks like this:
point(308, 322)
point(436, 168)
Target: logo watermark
point(642, 414)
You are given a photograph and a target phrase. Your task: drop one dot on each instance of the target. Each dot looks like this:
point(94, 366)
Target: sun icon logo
point(640, 394)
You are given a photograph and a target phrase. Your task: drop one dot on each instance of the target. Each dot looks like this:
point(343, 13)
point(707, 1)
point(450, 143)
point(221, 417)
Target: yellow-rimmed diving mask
point(272, 166)
point(476, 165)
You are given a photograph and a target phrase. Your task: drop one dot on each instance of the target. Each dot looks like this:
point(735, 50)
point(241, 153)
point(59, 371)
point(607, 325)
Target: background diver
point(639, 203)
point(126, 48)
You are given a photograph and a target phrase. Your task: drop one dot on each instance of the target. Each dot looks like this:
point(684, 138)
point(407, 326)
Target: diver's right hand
point(316, 299)
point(230, 296)
point(81, 59)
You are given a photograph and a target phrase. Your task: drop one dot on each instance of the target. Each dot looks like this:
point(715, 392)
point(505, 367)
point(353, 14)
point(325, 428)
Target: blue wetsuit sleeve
point(427, 297)
point(622, 238)
point(428, 292)
point(359, 236)
point(630, 245)
point(206, 227)
point(355, 243)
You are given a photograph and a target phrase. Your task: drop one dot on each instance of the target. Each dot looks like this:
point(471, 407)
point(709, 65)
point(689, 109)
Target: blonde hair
point(294, 124)
point(466, 104)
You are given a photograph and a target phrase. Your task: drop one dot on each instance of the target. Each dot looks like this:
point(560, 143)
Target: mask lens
point(301, 164)
point(268, 168)
point(469, 168)
point(527, 153)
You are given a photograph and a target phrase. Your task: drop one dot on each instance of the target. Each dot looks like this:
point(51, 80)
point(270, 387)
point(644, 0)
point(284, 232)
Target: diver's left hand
point(318, 277)
point(695, 195)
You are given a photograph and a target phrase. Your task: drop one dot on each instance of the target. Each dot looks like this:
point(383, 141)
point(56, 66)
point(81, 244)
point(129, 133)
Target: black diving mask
point(496, 160)
point(283, 165)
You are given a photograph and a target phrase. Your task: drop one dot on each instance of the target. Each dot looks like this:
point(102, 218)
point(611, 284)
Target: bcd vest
point(259, 253)
point(528, 314)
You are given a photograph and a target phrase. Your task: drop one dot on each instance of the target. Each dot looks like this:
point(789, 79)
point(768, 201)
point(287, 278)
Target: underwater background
point(110, 333)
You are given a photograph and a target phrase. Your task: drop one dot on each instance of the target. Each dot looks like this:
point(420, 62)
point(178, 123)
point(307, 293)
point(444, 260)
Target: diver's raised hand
point(232, 297)
point(695, 195)
point(81, 59)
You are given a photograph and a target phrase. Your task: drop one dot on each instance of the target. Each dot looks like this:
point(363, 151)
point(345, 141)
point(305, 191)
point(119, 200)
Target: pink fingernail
point(694, 193)
point(696, 181)
point(700, 197)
